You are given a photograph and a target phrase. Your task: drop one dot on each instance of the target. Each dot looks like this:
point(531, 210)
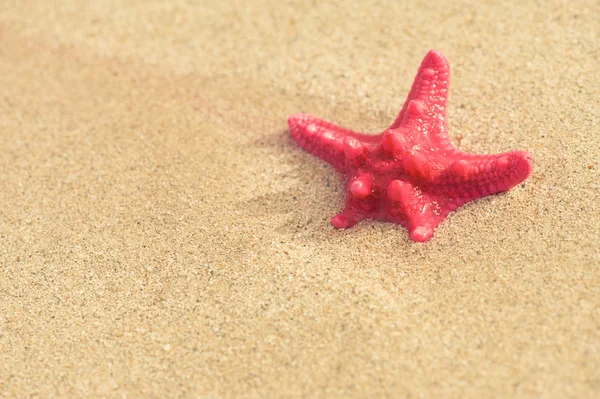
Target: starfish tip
point(437, 56)
point(524, 164)
point(342, 222)
point(516, 167)
point(297, 124)
point(421, 233)
point(293, 120)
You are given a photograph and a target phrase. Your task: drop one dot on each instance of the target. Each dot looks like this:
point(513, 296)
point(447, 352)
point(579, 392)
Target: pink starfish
point(410, 174)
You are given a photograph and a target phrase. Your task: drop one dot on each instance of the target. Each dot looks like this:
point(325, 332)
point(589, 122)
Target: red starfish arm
point(420, 212)
point(425, 105)
point(473, 176)
point(332, 143)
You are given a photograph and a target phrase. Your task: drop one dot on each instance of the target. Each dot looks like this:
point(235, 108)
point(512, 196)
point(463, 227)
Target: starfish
point(411, 173)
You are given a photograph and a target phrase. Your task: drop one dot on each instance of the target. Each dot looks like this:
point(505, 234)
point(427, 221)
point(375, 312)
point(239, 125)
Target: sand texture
point(161, 235)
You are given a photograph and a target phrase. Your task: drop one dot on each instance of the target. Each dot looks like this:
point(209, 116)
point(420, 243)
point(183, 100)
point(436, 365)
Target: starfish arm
point(345, 220)
point(420, 212)
point(332, 143)
point(426, 216)
point(425, 106)
point(477, 176)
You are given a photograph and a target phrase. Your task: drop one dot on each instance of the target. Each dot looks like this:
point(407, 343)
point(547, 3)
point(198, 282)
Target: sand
point(161, 235)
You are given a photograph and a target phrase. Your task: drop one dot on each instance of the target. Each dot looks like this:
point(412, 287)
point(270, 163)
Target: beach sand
point(161, 234)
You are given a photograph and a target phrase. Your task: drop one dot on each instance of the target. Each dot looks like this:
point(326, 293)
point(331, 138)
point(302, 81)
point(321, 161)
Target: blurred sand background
point(161, 235)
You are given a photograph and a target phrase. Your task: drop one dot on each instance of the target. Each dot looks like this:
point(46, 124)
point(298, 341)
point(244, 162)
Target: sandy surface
point(161, 235)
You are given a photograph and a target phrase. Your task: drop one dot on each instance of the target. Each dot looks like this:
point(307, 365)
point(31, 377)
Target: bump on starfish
point(411, 173)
